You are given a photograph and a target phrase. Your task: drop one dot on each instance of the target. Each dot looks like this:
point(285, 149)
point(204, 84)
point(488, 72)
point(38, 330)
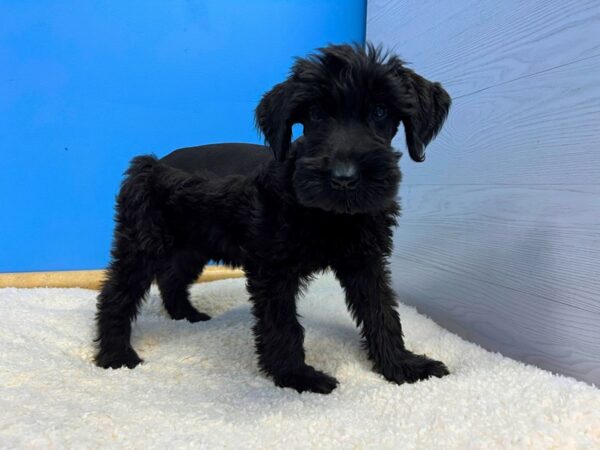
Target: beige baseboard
point(92, 279)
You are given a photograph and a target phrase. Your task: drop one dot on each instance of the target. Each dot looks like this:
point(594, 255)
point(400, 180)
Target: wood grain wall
point(500, 235)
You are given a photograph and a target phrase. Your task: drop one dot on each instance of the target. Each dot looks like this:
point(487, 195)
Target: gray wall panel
point(500, 235)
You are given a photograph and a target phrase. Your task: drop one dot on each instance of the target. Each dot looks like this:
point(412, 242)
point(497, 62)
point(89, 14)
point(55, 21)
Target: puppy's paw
point(112, 360)
point(196, 316)
point(411, 368)
point(307, 378)
point(190, 314)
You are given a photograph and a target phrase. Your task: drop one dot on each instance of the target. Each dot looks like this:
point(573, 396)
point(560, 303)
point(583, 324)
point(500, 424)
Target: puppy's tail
point(139, 218)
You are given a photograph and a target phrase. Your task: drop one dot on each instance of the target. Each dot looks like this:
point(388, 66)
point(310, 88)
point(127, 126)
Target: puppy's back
point(220, 159)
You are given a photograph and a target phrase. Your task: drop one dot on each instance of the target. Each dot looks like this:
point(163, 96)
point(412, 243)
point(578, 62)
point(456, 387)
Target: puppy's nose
point(344, 176)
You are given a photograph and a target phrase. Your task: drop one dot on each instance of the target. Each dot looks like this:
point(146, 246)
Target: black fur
point(327, 200)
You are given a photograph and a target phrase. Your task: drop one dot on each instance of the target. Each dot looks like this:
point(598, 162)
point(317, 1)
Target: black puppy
point(327, 200)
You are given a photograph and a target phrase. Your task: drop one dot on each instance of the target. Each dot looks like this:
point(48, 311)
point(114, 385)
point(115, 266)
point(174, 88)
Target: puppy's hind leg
point(128, 280)
point(139, 241)
point(174, 278)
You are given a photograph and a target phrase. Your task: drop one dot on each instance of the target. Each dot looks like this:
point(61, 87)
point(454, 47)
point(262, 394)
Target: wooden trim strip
point(92, 279)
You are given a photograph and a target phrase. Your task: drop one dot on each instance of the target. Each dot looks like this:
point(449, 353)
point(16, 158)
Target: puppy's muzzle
point(344, 176)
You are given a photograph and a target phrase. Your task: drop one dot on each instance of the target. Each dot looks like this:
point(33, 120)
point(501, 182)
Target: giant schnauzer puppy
point(326, 200)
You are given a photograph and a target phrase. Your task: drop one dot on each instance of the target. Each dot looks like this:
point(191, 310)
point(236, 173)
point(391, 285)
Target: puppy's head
point(350, 101)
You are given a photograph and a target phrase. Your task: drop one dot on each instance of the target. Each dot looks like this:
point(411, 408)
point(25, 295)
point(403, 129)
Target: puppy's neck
point(274, 181)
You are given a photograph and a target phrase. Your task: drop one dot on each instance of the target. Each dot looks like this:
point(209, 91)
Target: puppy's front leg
point(372, 303)
point(278, 334)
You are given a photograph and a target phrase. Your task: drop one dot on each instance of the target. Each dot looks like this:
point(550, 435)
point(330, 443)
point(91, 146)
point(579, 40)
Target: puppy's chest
point(320, 239)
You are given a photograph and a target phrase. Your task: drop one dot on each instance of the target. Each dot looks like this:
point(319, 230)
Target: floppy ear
point(273, 117)
point(430, 106)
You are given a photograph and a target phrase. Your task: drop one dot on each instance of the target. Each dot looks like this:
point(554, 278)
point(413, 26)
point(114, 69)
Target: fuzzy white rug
point(200, 387)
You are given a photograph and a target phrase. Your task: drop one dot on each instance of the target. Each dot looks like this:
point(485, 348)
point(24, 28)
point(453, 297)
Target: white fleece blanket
point(200, 387)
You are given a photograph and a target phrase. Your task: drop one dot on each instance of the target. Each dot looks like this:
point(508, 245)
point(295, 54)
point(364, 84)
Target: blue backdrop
point(87, 85)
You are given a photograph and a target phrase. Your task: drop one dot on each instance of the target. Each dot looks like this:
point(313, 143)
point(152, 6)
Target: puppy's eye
point(316, 114)
point(379, 112)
